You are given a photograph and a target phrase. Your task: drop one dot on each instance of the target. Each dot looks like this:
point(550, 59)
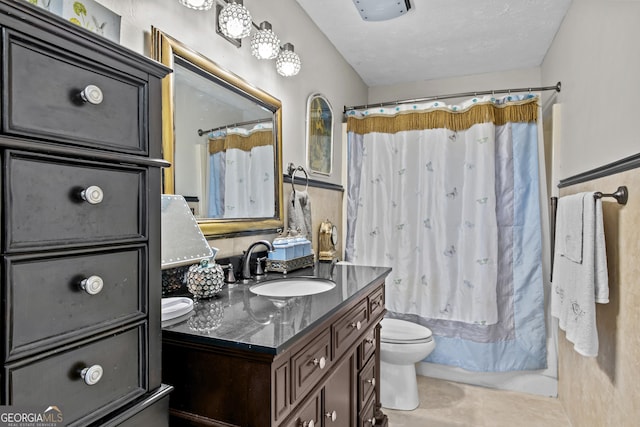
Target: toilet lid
point(399, 331)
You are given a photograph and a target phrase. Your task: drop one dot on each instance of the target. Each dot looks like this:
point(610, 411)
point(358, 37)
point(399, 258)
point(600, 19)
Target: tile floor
point(449, 404)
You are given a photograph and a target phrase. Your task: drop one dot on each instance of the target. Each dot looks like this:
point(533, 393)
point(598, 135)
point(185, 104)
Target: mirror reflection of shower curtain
point(448, 197)
point(241, 175)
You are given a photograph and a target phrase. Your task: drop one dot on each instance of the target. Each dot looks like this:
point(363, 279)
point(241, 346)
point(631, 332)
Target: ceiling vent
point(381, 10)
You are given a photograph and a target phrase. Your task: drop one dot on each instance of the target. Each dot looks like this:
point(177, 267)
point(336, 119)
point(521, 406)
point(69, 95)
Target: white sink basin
point(293, 287)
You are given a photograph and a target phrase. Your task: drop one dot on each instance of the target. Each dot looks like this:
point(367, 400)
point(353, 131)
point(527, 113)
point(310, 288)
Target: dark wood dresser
point(80, 139)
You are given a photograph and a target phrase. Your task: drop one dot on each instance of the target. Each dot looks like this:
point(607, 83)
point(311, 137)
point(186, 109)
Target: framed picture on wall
point(87, 14)
point(319, 134)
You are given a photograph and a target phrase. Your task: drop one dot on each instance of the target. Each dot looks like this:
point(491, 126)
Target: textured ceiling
point(440, 38)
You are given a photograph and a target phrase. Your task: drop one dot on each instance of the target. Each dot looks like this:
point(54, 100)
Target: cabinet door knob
point(372, 421)
point(92, 94)
point(92, 285)
point(92, 374)
point(357, 325)
point(372, 381)
point(333, 416)
point(370, 340)
point(92, 194)
point(321, 363)
point(309, 423)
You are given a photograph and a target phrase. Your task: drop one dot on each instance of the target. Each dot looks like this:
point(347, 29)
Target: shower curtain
point(448, 197)
point(246, 189)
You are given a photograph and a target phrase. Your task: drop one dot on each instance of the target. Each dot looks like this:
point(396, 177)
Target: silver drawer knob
point(92, 195)
point(92, 374)
point(372, 421)
point(321, 363)
point(92, 94)
point(309, 423)
point(357, 325)
point(370, 341)
point(92, 285)
point(333, 416)
point(372, 381)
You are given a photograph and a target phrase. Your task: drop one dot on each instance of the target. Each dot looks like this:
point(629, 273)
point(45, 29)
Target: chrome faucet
point(246, 258)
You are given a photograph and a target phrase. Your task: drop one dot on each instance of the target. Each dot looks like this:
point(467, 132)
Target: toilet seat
point(396, 331)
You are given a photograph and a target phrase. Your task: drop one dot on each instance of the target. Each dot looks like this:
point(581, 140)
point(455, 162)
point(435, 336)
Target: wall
point(323, 70)
point(594, 54)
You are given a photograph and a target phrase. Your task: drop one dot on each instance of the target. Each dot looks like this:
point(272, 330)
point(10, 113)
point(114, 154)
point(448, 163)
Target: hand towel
point(299, 213)
point(569, 219)
point(578, 286)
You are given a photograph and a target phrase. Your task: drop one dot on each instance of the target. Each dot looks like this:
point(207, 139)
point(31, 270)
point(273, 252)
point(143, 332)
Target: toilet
point(402, 345)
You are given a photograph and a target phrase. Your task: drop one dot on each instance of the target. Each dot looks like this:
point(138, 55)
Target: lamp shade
point(235, 21)
point(288, 62)
point(197, 4)
point(264, 43)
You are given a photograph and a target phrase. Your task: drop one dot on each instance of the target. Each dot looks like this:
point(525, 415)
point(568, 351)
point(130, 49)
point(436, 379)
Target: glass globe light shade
point(288, 62)
point(264, 43)
point(197, 4)
point(235, 21)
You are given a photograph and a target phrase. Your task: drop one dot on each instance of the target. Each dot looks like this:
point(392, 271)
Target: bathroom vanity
point(247, 360)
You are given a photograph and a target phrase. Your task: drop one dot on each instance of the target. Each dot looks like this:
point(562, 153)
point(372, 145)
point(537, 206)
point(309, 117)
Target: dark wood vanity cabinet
point(327, 377)
point(80, 135)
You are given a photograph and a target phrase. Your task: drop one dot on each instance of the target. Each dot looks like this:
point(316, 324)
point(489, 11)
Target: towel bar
point(621, 195)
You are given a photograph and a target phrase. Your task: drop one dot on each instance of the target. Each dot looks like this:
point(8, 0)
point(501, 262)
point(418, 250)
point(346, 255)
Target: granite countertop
point(237, 318)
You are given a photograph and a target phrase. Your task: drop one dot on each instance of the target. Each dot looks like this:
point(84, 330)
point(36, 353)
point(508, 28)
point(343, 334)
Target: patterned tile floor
point(449, 404)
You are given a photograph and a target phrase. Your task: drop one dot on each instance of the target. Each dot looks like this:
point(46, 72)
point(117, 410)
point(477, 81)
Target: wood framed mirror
point(223, 138)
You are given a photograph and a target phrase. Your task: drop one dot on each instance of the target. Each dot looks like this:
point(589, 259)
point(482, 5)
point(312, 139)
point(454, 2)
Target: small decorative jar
point(206, 279)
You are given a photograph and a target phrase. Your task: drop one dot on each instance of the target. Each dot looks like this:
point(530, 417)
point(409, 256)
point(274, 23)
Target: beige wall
point(604, 391)
point(594, 54)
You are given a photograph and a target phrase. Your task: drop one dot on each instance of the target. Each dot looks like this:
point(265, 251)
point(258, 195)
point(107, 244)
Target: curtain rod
point(456, 95)
point(234, 125)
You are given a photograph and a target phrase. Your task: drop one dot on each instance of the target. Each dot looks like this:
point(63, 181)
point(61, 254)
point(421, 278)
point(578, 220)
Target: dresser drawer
point(52, 286)
point(57, 380)
point(44, 208)
point(347, 329)
point(38, 106)
point(311, 363)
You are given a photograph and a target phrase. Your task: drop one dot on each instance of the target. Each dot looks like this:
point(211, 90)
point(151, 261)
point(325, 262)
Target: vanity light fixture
point(234, 20)
point(264, 43)
point(197, 4)
point(288, 62)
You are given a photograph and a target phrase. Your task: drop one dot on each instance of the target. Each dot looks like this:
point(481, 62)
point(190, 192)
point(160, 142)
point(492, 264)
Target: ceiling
point(440, 38)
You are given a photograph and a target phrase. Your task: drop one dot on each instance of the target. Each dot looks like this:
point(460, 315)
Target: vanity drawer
point(347, 329)
point(311, 363)
point(44, 208)
point(57, 380)
point(52, 287)
point(376, 303)
point(38, 107)
point(367, 378)
point(367, 418)
point(367, 347)
point(309, 415)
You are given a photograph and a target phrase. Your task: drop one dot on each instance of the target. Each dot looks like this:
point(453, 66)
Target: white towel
point(299, 213)
point(569, 218)
point(577, 286)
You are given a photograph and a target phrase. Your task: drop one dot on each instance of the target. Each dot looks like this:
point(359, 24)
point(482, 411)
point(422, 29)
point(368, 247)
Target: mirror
point(223, 138)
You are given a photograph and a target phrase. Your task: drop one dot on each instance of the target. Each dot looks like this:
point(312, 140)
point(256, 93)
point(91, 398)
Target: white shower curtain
point(448, 197)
